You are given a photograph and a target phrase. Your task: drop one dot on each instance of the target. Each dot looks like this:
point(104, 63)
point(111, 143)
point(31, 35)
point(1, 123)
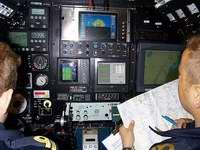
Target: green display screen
point(104, 73)
point(160, 66)
point(66, 74)
point(111, 73)
point(18, 38)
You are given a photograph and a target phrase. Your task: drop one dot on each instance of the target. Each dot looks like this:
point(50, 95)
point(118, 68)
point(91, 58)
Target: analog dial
point(41, 80)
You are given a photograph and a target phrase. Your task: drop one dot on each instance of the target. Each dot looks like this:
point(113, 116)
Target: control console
point(90, 111)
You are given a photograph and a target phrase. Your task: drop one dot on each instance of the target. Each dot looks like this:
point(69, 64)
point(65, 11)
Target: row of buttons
point(95, 45)
point(114, 54)
point(123, 30)
point(38, 17)
point(27, 49)
point(71, 53)
point(43, 49)
point(78, 117)
point(90, 147)
point(38, 41)
point(22, 49)
point(43, 26)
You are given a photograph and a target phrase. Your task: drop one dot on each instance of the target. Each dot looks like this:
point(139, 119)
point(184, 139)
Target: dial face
point(40, 62)
point(41, 80)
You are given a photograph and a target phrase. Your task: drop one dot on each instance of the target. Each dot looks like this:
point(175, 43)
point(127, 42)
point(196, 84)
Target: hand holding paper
point(127, 135)
point(146, 110)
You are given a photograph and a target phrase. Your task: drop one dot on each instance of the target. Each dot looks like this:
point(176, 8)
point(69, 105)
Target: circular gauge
point(41, 80)
point(18, 104)
point(40, 62)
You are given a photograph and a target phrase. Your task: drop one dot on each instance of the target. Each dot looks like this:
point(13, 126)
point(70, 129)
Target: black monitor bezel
point(141, 48)
point(68, 61)
point(59, 81)
point(100, 13)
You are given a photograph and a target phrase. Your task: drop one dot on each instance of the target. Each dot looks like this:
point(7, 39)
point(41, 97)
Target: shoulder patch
point(165, 146)
point(46, 141)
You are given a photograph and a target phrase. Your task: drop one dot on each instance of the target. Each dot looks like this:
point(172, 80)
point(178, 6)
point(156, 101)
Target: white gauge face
point(41, 80)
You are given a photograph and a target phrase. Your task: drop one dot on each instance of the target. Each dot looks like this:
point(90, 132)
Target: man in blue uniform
point(14, 140)
point(188, 137)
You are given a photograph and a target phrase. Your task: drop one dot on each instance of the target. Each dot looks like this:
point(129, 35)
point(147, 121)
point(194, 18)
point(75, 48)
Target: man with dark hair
point(187, 138)
point(9, 61)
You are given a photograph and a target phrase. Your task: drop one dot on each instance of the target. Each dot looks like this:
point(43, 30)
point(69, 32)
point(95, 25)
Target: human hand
point(182, 122)
point(127, 135)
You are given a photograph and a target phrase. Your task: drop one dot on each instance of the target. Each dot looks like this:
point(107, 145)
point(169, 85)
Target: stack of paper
point(146, 110)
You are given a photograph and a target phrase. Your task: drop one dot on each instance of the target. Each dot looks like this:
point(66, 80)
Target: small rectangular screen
point(18, 38)
point(97, 26)
point(90, 140)
point(111, 73)
point(69, 71)
point(36, 11)
point(160, 66)
point(38, 35)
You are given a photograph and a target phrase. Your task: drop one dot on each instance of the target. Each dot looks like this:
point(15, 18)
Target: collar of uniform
point(2, 126)
point(181, 132)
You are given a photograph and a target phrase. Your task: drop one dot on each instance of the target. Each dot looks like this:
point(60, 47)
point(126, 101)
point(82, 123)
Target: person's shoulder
point(36, 143)
point(9, 134)
point(46, 142)
point(12, 139)
point(31, 143)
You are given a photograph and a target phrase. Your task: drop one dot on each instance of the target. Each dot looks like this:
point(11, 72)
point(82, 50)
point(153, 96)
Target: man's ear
point(196, 92)
point(5, 100)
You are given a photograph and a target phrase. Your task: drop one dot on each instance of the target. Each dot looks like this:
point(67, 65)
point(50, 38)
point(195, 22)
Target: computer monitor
point(111, 73)
point(157, 63)
point(73, 71)
point(97, 26)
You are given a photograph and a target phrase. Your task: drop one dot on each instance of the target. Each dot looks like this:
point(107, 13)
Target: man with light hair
point(10, 139)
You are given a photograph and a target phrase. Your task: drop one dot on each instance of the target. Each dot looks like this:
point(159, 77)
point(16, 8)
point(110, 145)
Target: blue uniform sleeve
point(12, 140)
point(30, 143)
point(11, 134)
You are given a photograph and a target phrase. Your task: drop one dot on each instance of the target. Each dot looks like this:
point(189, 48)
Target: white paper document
point(113, 142)
point(146, 110)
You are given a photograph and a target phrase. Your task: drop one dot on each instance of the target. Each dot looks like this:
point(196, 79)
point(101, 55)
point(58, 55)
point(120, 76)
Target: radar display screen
point(18, 38)
point(97, 26)
point(160, 66)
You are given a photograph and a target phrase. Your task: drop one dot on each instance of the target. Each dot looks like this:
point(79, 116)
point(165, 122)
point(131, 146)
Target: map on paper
point(146, 110)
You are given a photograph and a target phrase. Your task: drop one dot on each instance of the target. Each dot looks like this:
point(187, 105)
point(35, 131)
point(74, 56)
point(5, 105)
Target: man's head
point(9, 62)
point(189, 78)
